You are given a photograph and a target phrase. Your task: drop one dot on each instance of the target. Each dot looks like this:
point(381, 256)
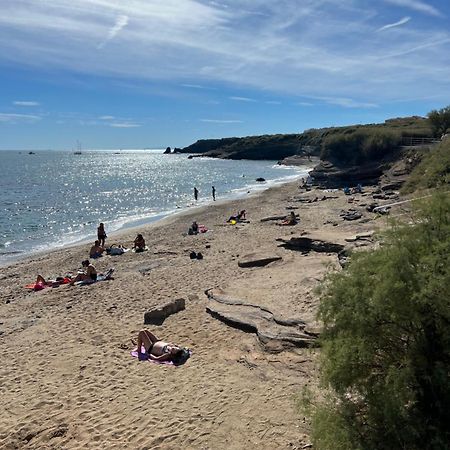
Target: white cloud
point(106, 117)
point(349, 103)
point(121, 22)
point(14, 118)
point(273, 102)
point(221, 121)
point(124, 125)
point(25, 103)
point(395, 24)
point(242, 99)
point(307, 49)
point(418, 6)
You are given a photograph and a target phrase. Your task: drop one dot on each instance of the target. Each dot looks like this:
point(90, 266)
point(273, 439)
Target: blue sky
point(157, 73)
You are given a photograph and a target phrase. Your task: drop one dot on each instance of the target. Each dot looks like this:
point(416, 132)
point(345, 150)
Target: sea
point(50, 199)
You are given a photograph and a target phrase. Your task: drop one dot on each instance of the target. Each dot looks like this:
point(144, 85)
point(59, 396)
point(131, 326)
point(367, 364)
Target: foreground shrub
point(386, 342)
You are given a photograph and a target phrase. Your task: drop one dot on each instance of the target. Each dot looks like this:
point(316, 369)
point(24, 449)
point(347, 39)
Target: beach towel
point(104, 277)
point(134, 353)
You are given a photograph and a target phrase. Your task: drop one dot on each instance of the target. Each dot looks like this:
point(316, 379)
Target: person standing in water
point(101, 234)
point(214, 193)
point(195, 193)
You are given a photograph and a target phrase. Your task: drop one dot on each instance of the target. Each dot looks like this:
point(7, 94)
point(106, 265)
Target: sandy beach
point(68, 380)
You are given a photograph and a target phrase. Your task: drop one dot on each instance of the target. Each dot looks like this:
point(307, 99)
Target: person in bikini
point(156, 349)
point(89, 273)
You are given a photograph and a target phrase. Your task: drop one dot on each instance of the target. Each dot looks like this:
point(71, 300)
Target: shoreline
point(75, 385)
point(130, 224)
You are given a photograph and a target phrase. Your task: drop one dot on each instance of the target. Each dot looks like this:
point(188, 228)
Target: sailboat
point(78, 150)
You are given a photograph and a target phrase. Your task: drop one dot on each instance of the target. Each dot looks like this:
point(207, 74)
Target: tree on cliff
point(386, 342)
point(440, 121)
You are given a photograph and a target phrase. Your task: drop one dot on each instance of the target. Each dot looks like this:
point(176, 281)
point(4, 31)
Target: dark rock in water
point(268, 326)
point(255, 260)
point(306, 244)
point(167, 151)
point(260, 179)
point(176, 150)
point(157, 315)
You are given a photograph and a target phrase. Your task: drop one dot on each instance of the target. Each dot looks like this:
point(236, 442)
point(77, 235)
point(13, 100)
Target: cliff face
point(349, 155)
point(274, 147)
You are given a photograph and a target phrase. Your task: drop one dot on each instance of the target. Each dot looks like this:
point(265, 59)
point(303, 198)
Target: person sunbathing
point(290, 220)
point(238, 217)
point(89, 273)
point(96, 250)
point(139, 243)
point(156, 349)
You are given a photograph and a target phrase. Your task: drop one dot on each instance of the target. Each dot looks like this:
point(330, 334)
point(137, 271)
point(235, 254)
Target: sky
point(158, 73)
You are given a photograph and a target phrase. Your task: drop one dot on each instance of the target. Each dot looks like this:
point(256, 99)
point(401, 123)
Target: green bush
point(439, 121)
point(360, 146)
point(386, 342)
point(433, 171)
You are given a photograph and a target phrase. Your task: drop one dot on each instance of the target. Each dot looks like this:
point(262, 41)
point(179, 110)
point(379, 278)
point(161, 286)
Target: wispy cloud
point(418, 6)
point(221, 121)
point(273, 102)
point(25, 103)
point(349, 103)
point(305, 104)
point(106, 117)
point(124, 125)
point(242, 99)
point(121, 22)
point(14, 118)
point(307, 49)
point(395, 24)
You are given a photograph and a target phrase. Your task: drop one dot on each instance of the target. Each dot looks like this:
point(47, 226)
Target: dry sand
point(68, 380)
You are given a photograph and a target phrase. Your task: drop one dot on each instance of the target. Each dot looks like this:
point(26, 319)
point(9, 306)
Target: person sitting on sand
point(238, 217)
point(193, 229)
point(156, 349)
point(139, 244)
point(96, 250)
point(89, 273)
point(290, 219)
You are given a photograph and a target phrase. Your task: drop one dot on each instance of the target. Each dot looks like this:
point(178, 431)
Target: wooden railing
point(410, 141)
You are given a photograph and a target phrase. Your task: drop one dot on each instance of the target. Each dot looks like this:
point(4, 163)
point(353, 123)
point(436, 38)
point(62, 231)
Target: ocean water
point(53, 198)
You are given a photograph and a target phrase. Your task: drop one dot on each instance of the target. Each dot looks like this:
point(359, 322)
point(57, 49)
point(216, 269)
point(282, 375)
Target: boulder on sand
point(157, 315)
point(257, 260)
point(306, 244)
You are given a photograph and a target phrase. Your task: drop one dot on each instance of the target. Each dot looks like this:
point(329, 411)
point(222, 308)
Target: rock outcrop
point(157, 315)
point(257, 260)
point(307, 244)
point(264, 323)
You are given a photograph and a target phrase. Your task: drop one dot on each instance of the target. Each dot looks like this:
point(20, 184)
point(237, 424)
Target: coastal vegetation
point(385, 354)
point(440, 121)
point(433, 171)
point(354, 144)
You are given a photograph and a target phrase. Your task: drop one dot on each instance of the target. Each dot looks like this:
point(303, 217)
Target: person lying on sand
point(139, 243)
point(290, 220)
point(96, 250)
point(157, 350)
point(41, 282)
point(89, 273)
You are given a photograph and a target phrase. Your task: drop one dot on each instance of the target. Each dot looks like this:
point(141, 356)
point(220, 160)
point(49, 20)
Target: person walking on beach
point(214, 193)
point(195, 193)
point(101, 234)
